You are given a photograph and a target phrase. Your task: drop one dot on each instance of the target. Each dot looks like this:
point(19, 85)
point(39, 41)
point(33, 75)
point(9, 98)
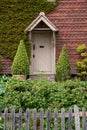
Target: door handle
point(33, 56)
point(33, 46)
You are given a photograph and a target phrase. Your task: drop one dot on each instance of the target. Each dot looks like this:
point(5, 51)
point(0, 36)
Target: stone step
point(50, 77)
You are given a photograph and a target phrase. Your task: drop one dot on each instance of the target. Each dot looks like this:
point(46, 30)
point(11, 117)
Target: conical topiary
point(63, 66)
point(20, 64)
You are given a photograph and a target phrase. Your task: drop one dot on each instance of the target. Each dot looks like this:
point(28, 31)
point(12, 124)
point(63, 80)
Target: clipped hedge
point(43, 94)
point(21, 62)
point(63, 66)
point(15, 16)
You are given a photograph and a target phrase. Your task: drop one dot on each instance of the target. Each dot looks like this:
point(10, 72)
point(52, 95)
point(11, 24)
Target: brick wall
point(70, 17)
point(6, 66)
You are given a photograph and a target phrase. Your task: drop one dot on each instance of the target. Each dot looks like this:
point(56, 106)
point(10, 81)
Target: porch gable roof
point(41, 17)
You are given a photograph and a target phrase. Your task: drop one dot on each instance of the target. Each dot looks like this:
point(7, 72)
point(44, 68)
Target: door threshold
point(50, 77)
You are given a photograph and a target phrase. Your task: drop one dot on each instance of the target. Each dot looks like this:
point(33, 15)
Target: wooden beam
point(54, 38)
point(30, 37)
point(42, 29)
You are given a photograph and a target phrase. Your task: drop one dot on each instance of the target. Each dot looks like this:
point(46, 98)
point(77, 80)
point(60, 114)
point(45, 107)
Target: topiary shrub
point(63, 66)
point(20, 64)
point(82, 64)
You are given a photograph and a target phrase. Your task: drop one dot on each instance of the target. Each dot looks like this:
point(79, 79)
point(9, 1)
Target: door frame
point(53, 61)
point(49, 27)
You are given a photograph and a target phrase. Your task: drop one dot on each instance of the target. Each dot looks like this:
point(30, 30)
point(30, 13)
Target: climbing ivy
point(15, 16)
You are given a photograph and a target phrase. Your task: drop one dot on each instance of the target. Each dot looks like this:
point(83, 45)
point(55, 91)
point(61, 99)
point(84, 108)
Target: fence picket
point(77, 119)
point(13, 119)
point(62, 119)
point(35, 119)
point(41, 119)
point(70, 120)
point(27, 119)
point(38, 119)
point(5, 118)
point(84, 126)
point(55, 119)
point(20, 119)
point(48, 119)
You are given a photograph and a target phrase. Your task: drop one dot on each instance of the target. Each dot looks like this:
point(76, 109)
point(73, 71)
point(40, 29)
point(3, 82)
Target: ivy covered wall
point(15, 16)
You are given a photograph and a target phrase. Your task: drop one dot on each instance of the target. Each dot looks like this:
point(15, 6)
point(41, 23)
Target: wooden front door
point(41, 55)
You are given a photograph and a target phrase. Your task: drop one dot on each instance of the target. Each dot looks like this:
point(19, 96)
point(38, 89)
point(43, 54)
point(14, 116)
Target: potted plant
point(20, 66)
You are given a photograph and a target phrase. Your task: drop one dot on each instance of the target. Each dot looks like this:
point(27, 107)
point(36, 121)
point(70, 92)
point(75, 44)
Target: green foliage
point(3, 83)
point(21, 62)
point(81, 48)
point(84, 54)
point(63, 66)
point(43, 94)
point(82, 64)
point(4, 80)
point(1, 125)
point(15, 16)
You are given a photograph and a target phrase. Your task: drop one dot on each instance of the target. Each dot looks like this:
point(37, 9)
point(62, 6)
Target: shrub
point(26, 94)
point(21, 62)
point(4, 80)
point(63, 66)
point(43, 94)
point(82, 64)
point(81, 48)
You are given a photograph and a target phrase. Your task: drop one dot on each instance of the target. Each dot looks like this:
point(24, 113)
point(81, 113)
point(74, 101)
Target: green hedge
point(20, 64)
point(15, 16)
point(43, 94)
point(63, 66)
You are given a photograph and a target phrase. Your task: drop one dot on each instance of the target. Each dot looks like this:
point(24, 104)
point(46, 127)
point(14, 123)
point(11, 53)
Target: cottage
point(67, 24)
